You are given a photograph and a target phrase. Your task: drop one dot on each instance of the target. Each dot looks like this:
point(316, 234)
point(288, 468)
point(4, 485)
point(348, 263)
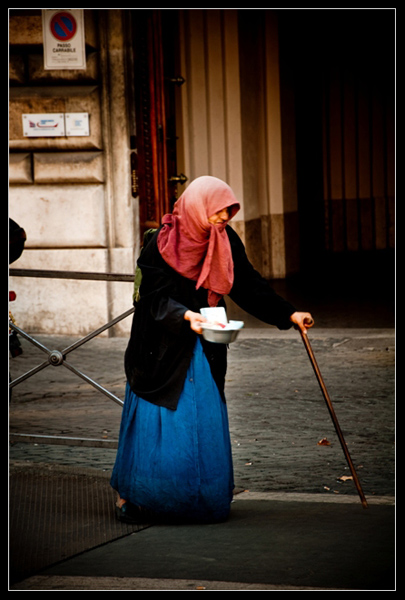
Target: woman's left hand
point(302, 320)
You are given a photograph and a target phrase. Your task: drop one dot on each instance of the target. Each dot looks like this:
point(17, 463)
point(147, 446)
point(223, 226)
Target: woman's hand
point(302, 320)
point(195, 320)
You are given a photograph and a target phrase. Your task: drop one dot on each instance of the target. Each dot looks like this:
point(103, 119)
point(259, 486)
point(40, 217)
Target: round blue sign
point(63, 26)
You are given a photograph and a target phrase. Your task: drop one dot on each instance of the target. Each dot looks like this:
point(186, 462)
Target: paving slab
point(273, 543)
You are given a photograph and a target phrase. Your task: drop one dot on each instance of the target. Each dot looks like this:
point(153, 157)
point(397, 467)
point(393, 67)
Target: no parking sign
point(63, 35)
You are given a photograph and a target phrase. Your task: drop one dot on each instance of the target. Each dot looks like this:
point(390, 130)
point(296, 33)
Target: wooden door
point(154, 163)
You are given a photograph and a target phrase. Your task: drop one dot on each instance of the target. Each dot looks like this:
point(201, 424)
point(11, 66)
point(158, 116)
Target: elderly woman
point(174, 457)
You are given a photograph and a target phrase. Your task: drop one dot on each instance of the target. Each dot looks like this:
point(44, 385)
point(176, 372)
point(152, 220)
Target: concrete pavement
point(296, 523)
point(269, 543)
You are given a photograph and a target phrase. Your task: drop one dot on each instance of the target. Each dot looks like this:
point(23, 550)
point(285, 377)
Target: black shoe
point(131, 514)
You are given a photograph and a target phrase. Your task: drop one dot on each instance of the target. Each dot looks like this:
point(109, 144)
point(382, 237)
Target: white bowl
point(221, 335)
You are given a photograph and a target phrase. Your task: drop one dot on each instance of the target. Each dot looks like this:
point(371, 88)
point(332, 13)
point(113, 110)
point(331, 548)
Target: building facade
point(294, 109)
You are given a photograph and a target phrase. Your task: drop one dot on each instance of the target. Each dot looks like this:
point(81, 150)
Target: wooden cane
point(332, 413)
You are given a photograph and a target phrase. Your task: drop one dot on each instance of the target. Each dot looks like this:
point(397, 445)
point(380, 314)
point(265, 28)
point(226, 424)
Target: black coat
point(161, 342)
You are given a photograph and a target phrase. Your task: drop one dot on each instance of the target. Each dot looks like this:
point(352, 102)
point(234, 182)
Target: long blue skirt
point(177, 463)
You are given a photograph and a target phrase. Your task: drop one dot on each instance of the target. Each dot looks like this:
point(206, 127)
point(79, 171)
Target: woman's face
point(220, 217)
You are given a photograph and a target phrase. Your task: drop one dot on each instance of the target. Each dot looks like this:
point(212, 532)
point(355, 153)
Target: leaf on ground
point(345, 478)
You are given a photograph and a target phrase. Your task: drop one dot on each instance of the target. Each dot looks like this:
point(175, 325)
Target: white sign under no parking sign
point(44, 125)
point(56, 125)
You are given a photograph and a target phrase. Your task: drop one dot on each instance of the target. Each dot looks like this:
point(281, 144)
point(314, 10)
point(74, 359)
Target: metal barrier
point(58, 357)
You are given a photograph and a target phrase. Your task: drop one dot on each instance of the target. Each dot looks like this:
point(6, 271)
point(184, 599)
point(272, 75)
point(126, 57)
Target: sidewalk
point(296, 522)
point(269, 543)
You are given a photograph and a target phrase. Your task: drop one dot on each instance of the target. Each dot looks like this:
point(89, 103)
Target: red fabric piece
point(194, 247)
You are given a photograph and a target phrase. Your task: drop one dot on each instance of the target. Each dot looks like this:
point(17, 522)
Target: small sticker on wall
point(56, 125)
point(44, 125)
point(77, 124)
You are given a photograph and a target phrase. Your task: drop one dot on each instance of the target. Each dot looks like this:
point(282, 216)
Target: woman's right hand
point(195, 320)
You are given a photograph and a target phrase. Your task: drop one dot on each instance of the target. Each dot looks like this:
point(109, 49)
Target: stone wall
point(71, 194)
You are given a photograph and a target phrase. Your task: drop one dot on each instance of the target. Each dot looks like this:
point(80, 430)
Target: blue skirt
point(177, 463)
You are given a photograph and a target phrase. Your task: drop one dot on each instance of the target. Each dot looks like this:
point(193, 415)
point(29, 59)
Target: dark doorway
point(343, 63)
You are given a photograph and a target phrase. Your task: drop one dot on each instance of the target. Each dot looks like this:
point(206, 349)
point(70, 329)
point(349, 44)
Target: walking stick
point(311, 355)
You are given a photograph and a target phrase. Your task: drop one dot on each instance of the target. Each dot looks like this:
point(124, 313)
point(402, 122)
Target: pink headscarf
point(194, 247)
